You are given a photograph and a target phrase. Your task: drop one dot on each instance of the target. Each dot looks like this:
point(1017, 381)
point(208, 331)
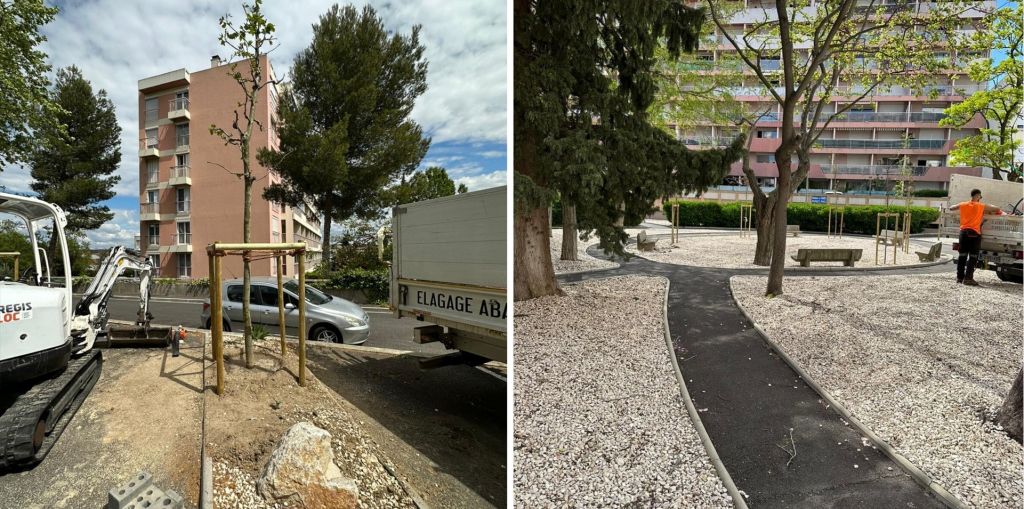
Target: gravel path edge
point(698, 425)
point(919, 475)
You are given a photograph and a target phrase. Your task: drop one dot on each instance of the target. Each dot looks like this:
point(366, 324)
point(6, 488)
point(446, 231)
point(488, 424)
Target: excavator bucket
point(129, 336)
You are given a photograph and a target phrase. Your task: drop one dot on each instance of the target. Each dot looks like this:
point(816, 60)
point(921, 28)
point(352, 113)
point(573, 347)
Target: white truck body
point(1002, 237)
point(449, 268)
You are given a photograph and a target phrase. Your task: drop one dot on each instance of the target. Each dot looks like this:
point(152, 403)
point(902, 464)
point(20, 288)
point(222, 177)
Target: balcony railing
point(876, 169)
point(180, 171)
point(182, 239)
point(182, 208)
point(178, 103)
point(149, 208)
point(841, 143)
point(145, 143)
point(885, 116)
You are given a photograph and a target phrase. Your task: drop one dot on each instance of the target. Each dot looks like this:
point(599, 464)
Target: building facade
point(863, 149)
point(190, 190)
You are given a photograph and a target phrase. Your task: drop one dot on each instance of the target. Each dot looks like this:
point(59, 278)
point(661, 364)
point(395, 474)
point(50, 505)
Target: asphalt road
point(386, 331)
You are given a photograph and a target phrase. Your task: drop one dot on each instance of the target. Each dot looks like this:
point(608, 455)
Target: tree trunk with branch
point(1010, 414)
point(569, 232)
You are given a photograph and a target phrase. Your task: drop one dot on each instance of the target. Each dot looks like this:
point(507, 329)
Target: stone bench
point(894, 236)
point(794, 229)
point(932, 254)
point(847, 256)
point(642, 244)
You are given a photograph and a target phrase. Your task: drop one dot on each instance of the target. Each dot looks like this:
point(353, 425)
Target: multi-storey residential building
point(190, 192)
point(862, 150)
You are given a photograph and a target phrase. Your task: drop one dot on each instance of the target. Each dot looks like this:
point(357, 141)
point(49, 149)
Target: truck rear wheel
point(1013, 275)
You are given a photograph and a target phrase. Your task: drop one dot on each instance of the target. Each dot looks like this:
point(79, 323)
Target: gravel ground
point(923, 362)
point(599, 418)
point(733, 251)
point(585, 262)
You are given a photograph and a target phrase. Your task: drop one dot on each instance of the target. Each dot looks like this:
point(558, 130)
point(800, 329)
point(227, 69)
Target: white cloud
point(119, 231)
point(484, 180)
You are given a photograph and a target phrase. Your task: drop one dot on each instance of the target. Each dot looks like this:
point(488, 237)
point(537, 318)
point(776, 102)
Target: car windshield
point(312, 294)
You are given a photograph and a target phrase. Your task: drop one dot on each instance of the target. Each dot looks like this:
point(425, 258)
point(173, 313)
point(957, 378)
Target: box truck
point(1002, 239)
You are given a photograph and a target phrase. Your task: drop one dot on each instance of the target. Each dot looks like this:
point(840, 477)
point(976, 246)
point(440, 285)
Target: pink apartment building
point(187, 200)
point(862, 149)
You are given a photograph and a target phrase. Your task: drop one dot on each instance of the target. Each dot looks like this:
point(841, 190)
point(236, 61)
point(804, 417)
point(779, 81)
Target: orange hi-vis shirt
point(970, 216)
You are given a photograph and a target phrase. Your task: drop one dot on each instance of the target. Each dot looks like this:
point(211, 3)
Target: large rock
point(302, 469)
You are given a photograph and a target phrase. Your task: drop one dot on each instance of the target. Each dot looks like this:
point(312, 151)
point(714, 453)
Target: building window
point(182, 202)
point(151, 137)
point(154, 234)
point(765, 158)
point(184, 264)
point(155, 260)
point(184, 233)
point(152, 196)
point(152, 171)
point(180, 101)
point(770, 133)
point(182, 135)
point(152, 110)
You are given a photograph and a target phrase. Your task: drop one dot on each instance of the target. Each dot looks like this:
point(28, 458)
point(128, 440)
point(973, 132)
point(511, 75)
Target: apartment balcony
point(153, 181)
point(152, 242)
point(180, 176)
point(181, 145)
point(877, 169)
point(181, 243)
point(178, 110)
point(148, 148)
point(890, 144)
point(149, 212)
point(182, 209)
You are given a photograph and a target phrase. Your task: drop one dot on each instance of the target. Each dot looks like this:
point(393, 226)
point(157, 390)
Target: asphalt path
point(386, 331)
point(753, 403)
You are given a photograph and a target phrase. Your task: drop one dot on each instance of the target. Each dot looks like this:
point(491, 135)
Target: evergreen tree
point(431, 183)
point(25, 104)
point(74, 163)
point(344, 126)
point(583, 80)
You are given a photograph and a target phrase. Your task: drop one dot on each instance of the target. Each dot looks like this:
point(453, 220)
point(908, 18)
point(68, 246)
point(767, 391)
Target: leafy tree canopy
point(431, 183)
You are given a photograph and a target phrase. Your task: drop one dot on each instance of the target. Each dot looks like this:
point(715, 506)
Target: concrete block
point(141, 493)
point(121, 496)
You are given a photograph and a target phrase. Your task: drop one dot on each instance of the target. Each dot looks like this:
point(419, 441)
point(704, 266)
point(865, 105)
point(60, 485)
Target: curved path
point(749, 399)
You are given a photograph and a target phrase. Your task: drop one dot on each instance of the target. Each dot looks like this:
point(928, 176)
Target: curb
point(206, 465)
point(916, 473)
point(709, 447)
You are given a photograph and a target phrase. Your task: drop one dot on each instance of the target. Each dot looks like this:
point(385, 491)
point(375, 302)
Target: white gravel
point(733, 251)
point(599, 417)
point(923, 362)
point(585, 262)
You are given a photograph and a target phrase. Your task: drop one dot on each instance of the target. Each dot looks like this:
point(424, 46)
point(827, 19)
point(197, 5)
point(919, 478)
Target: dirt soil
point(143, 415)
point(244, 425)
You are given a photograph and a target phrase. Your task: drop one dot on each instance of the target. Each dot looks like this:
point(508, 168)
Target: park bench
point(642, 244)
point(794, 229)
point(847, 256)
point(932, 254)
point(894, 236)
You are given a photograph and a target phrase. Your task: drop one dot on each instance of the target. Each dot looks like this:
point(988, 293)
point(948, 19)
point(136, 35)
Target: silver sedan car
point(328, 318)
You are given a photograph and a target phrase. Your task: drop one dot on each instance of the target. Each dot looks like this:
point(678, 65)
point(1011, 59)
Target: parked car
point(328, 318)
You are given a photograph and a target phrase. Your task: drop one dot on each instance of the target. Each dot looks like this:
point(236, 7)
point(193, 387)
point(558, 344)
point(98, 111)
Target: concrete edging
point(916, 473)
point(698, 425)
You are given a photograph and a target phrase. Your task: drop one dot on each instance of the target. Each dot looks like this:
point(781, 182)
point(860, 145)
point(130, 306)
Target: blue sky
point(116, 43)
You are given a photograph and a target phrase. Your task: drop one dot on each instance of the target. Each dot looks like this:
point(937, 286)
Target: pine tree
point(344, 126)
point(583, 80)
point(74, 163)
point(431, 183)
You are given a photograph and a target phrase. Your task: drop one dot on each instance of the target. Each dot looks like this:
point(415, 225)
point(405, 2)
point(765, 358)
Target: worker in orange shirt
point(971, 213)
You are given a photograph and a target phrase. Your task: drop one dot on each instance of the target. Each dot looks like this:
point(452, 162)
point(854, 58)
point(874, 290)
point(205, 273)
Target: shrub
point(931, 193)
point(374, 282)
point(811, 217)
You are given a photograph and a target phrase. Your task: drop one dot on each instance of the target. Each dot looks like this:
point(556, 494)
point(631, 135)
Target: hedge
point(375, 282)
point(810, 217)
point(931, 193)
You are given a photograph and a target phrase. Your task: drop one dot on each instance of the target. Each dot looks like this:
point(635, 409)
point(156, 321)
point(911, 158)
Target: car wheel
point(325, 333)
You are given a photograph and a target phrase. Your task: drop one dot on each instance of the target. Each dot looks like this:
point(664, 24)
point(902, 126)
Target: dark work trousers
point(970, 242)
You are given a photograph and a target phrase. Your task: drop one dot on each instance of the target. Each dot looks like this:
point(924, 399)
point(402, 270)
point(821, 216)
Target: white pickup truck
point(449, 268)
point(1002, 238)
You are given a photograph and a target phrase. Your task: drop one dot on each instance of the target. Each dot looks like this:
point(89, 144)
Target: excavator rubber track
point(36, 419)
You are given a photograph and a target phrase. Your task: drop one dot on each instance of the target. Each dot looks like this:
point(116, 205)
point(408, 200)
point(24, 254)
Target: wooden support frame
point(906, 231)
point(675, 223)
point(884, 239)
point(746, 219)
point(836, 221)
point(277, 251)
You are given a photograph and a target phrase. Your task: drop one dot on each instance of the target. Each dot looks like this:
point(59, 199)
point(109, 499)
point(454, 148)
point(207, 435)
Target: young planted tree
point(803, 57)
point(250, 41)
point(25, 103)
point(1000, 104)
point(344, 126)
point(76, 155)
point(583, 84)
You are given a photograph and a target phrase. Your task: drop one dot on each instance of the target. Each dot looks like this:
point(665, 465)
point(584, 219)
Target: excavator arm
point(90, 317)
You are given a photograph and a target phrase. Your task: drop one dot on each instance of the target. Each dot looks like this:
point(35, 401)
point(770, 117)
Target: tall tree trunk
point(784, 158)
point(326, 242)
point(569, 232)
point(533, 272)
point(246, 269)
point(620, 219)
point(1010, 415)
point(764, 205)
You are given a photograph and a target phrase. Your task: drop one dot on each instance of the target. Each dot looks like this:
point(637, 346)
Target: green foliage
point(374, 282)
point(74, 162)
point(931, 193)
point(13, 240)
point(1001, 103)
point(811, 217)
point(584, 80)
point(357, 247)
point(432, 183)
point(259, 332)
point(25, 104)
point(345, 126)
point(202, 282)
